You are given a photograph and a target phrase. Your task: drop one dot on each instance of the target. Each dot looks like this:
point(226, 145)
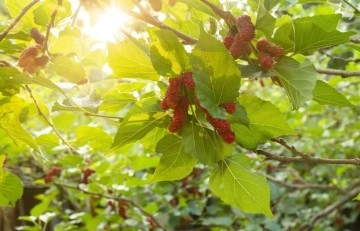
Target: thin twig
point(17, 19)
point(117, 198)
point(42, 114)
point(290, 148)
point(342, 73)
point(303, 185)
point(349, 196)
point(308, 159)
point(339, 58)
point(356, 10)
point(226, 15)
point(146, 17)
point(50, 25)
point(118, 119)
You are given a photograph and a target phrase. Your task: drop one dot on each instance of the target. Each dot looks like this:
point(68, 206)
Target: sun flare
point(107, 26)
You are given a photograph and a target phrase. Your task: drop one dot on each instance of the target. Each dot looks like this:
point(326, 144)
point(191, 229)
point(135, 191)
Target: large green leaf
point(265, 122)
point(175, 164)
point(131, 59)
point(10, 123)
point(199, 5)
point(236, 184)
point(141, 119)
point(11, 189)
point(204, 144)
point(168, 55)
point(298, 79)
point(307, 34)
point(216, 74)
point(326, 94)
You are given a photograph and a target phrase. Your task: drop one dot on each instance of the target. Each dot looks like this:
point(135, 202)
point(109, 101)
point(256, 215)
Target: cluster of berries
point(221, 126)
point(176, 98)
point(54, 171)
point(31, 60)
point(268, 53)
point(239, 38)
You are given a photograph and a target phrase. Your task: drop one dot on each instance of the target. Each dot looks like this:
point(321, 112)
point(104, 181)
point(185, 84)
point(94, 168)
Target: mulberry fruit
point(180, 113)
point(188, 81)
point(265, 61)
point(174, 92)
point(228, 41)
point(229, 107)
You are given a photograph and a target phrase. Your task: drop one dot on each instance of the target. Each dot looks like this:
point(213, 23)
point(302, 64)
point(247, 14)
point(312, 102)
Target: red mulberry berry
point(247, 33)
point(276, 51)
point(164, 104)
point(188, 80)
point(228, 41)
point(179, 116)
point(265, 61)
point(263, 45)
point(228, 137)
point(229, 107)
point(239, 48)
point(87, 172)
point(243, 21)
point(174, 92)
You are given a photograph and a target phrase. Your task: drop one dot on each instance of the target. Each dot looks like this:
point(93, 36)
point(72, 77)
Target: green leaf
point(15, 8)
point(68, 68)
point(204, 144)
point(168, 55)
point(236, 184)
point(199, 5)
point(95, 137)
point(327, 95)
point(357, 197)
point(132, 60)
point(298, 79)
point(12, 77)
point(141, 119)
point(10, 123)
point(307, 34)
point(175, 164)
point(11, 189)
point(265, 122)
point(265, 22)
point(216, 74)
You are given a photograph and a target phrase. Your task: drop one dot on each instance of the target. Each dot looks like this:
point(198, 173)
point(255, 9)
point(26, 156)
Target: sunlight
point(108, 25)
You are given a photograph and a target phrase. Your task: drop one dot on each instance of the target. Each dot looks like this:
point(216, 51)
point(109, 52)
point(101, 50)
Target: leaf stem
point(42, 114)
point(308, 159)
point(342, 73)
point(356, 10)
point(17, 19)
point(117, 198)
point(50, 25)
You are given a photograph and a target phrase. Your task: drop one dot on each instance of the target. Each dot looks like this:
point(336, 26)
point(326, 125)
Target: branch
point(339, 58)
point(51, 24)
point(350, 195)
point(302, 186)
point(42, 114)
point(117, 198)
point(226, 15)
point(342, 73)
point(308, 159)
point(118, 119)
point(17, 19)
point(356, 10)
point(290, 148)
point(148, 18)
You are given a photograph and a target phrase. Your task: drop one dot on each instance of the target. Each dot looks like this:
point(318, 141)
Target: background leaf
point(11, 189)
point(327, 95)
